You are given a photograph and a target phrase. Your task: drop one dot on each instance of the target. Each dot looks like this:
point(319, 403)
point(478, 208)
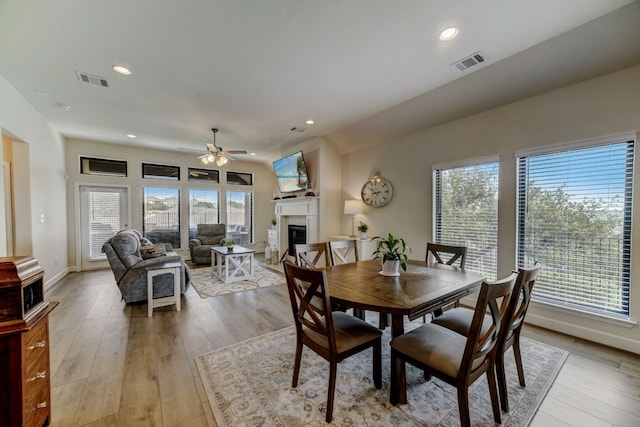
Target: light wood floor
point(112, 365)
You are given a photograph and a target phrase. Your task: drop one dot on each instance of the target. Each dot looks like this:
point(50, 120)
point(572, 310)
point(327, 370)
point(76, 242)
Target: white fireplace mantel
point(299, 210)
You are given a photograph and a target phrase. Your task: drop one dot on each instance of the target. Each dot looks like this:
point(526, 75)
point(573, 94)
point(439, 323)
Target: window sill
point(612, 320)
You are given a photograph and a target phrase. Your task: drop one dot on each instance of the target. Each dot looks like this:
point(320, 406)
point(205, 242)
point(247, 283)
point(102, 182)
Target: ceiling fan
point(217, 154)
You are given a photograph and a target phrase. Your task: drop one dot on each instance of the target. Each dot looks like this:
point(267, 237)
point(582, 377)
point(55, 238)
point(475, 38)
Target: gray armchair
point(130, 269)
point(207, 235)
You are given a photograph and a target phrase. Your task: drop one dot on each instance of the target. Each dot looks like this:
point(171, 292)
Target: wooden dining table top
point(420, 290)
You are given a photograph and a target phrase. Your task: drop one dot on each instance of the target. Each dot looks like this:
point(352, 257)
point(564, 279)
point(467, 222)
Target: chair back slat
point(481, 346)
point(446, 254)
point(312, 255)
point(527, 279)
point(343, 252)
point(310, 301)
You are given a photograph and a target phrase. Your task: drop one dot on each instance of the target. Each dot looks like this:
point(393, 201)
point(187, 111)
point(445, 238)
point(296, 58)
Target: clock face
point(377, 192)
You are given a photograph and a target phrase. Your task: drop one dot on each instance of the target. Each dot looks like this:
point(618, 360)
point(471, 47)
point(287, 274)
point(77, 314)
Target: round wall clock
point(377, 191)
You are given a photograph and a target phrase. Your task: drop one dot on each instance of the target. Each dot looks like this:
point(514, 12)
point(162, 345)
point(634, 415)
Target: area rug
point(249, 384)
point(208, 285)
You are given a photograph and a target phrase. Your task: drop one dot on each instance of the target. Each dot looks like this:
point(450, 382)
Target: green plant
point(363, 227)
point(273, 221)
point(228, 242)
point(391, 248)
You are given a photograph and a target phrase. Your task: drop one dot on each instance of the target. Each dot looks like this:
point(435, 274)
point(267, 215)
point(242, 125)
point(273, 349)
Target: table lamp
point(353, 208)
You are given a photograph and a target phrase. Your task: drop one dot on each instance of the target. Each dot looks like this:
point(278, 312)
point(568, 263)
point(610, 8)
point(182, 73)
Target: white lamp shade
point(352, 207)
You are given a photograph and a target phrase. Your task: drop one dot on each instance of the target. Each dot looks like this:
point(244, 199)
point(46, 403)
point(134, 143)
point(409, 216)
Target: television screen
point(291, 173)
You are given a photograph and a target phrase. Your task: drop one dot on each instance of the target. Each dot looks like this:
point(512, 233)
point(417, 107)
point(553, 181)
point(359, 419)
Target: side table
point(169, 267)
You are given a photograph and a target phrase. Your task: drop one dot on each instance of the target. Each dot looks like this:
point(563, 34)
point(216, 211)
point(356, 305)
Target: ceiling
point(367, 71)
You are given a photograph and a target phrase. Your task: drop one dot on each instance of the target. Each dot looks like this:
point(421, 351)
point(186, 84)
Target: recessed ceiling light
point(310, 122)
point(252, 154)
point(132, 136)
point(62, 106)
point(121, 69)
point(448, 33)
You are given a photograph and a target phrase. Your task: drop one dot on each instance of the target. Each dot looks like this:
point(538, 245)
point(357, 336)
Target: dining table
point(419, 290)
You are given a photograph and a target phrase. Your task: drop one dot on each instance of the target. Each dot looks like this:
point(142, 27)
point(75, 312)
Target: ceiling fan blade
point(236, 152)
point(203, 156)
point(212, 147)
point(229, 157)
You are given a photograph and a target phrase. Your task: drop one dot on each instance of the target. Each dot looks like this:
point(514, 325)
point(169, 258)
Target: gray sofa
point(129, 268)
point(207, 235)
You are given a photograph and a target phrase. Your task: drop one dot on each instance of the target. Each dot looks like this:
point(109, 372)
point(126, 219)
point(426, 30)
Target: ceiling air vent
point(470, 61)
point(295, 129)
point(90, 78)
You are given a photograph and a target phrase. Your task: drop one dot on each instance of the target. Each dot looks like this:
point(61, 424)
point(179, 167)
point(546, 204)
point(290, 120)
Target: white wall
point(21, 122)
point(599, 107)
point(263, 186)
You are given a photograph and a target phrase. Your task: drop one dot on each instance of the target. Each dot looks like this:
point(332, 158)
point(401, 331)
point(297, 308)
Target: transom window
point(574, 216)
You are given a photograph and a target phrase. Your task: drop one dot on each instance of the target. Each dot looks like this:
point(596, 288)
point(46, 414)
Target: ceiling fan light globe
point(220, 161)
point(205, 160)
point(210, 158)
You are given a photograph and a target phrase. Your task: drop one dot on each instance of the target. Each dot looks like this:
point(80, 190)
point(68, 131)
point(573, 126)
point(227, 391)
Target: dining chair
point(313, 255)
point(456, 359)
point(332, 335)
point(459, 320)
point(343, 251)
point(445, 254)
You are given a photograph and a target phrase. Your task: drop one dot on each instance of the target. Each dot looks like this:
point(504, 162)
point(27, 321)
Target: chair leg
point(518, 357)
point(377, 364)
point(394, 379)
point(384, 321)
point(463, 406)
point(296, 364)
point(359, 313)
point(493, 391)
point(333, 367)
point(502, 382)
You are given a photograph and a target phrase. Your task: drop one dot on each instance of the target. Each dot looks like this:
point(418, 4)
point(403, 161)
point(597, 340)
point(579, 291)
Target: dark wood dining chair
point(343, 252)
point(456, 359)
point(460, 319)
point(332, 335)
point(313, 255)
point(446, 254)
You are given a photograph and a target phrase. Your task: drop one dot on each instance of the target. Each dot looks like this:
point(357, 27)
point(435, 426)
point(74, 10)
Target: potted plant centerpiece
point(362, 228)
point(228, 243)
point(393, 252)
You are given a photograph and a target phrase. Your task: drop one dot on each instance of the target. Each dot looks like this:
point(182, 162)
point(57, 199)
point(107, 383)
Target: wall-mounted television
point(291, 173)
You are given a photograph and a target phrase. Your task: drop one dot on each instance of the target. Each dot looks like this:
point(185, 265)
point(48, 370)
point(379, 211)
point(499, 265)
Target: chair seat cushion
point(350, 332)
point(459, 320)
point(434, 346)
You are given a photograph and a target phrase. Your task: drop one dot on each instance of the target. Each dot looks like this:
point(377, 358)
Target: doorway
point(103, 212)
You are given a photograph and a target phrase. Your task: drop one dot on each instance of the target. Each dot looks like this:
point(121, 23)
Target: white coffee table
point(232, 265)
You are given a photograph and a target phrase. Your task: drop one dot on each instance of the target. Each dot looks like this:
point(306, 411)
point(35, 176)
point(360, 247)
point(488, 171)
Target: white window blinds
point(466, 213)
point(574, 216)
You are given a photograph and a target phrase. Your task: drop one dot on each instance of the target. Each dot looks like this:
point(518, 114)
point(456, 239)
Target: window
point(171, 173)
point(574, 216)
point(238, 178)
point(161, 215)
point(466, 213)
point(203, 209)
point(94, 166)
point(240, 216)
point(204, 175)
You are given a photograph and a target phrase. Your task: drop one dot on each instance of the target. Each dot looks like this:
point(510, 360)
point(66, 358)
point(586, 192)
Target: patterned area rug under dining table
point(208, 284)
point(249, 384)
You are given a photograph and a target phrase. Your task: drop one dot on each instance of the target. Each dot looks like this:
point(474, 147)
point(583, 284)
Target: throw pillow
point(153, 251)
point(145, 242)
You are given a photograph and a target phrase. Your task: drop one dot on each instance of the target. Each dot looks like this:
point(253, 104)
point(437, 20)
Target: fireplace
point(296, 234)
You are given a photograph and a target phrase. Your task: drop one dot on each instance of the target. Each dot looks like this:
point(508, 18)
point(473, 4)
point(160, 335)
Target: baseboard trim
point(55, 279)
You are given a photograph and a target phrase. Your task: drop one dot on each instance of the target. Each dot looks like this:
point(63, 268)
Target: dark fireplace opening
point(296, 234)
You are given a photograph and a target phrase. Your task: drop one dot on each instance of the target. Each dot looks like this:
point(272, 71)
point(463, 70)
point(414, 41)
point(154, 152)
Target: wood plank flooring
point(114, 366)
